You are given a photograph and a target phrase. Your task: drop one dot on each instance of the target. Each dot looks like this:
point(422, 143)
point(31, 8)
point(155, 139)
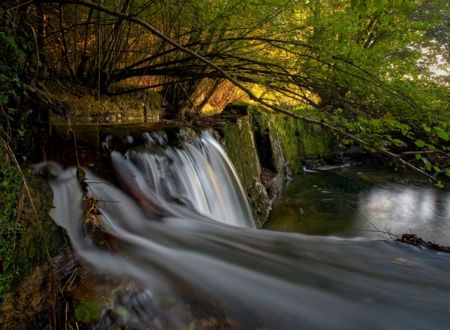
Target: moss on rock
point(263, 147)
point(240, 146)
point(301, 141)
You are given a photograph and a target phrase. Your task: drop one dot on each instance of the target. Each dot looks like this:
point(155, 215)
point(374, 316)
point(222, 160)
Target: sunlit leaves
point(441, 133)
point(419, 143)
point(398, 143)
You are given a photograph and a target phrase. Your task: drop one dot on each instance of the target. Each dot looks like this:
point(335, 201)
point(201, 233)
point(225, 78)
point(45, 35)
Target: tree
point(358, 65)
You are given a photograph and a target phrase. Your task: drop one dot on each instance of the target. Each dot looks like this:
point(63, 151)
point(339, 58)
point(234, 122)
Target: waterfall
point(198, 175)
point(180, 226)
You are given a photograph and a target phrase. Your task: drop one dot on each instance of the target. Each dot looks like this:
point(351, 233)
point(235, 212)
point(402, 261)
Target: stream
point(362, 201)
point(177, 225)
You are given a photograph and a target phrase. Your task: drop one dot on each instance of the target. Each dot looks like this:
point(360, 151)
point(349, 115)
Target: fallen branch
point(413, 239)
point(91, 210)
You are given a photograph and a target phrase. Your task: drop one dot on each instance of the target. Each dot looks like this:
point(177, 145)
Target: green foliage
point(362, 56)
point(443, 135)
point(10, 60)
point(25, 241)
point(425, 146)
point(363, 65)
point(14, 114)
point(11, 186)
point(420, 143)
point(433, 150)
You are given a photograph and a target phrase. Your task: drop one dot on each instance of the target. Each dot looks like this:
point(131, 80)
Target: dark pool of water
point(362, 201)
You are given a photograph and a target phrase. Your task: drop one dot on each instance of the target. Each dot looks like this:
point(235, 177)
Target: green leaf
point(9, 39)
point(426, 163)
point(378, 4)
point(441, 133)
point(439, 184)
point(88, 311)
point(447, 172)
point(21, 54)
point(398, 143)
point(3, 98)
point(420, 143)
point(426, 129)
point(430, 147)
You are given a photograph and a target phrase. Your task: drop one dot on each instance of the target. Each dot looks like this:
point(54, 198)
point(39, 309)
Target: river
point(177, 225)
point(363, 201)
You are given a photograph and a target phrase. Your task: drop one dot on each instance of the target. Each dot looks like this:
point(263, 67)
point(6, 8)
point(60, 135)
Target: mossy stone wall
point(240, 146)
point(301, 141)
point(264, 147)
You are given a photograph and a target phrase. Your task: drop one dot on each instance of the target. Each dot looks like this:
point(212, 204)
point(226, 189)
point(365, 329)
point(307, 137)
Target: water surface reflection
point(361, 202)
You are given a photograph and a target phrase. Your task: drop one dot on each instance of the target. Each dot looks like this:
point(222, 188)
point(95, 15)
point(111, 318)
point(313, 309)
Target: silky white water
point(181, 219)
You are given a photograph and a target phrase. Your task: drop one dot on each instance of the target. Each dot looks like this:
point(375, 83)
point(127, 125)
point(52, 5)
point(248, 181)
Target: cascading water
point(184, 226)
point(199, 175)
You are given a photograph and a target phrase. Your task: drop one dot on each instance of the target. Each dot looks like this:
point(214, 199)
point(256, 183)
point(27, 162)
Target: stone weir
point(265, 149)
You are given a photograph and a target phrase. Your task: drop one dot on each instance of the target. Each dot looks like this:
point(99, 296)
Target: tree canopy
point(368, 67)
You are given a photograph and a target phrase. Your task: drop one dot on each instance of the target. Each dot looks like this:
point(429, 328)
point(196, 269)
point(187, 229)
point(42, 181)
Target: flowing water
point(180, 228)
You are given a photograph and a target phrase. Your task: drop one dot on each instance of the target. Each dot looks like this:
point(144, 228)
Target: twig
point(25, 183)
point(17, 7)
point(424, 152)
point(413, 239)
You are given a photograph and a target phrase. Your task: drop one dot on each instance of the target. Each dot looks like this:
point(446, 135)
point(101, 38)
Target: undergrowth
point(10, 195)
